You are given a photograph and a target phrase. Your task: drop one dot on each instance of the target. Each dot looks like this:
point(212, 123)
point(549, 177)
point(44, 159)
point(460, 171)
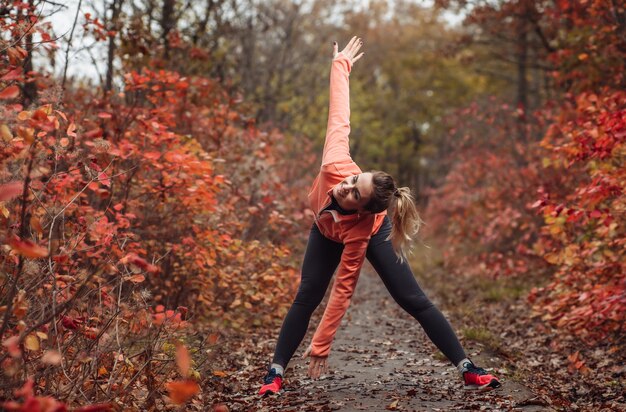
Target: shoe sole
point(494, 384)
point(269, 393)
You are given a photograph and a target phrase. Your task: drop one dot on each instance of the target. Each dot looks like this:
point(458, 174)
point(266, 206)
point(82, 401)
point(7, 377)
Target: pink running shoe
point(272, 383)
point(478, 379)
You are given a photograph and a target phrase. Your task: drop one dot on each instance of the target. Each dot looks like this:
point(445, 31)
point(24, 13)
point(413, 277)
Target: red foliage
point(481, 209)
point(167, 195)
point(574, 178)
point(584, 235)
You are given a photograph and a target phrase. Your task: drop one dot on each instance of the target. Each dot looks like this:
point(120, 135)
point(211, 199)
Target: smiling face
point(354, 192)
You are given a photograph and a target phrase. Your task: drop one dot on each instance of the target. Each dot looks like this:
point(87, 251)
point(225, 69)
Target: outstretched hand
point(317, 365)
point(351, 50)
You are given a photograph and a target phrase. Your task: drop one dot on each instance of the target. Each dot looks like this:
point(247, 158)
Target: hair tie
point(397, 193)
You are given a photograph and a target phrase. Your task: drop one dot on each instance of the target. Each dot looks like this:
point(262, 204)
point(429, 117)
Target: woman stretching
point(351, 223)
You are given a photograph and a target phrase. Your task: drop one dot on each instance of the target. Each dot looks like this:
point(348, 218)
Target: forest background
point(154, 211)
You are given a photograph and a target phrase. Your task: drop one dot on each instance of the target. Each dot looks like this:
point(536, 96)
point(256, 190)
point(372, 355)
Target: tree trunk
point(30, 87)
point(167, 24)
point(116, 9)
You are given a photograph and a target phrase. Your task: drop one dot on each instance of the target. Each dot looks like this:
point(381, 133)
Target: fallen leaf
point(213, 338)
point(393, 406)
point(96, 407)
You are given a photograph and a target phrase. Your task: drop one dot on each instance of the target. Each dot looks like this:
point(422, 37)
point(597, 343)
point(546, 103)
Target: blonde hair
point(405, 220)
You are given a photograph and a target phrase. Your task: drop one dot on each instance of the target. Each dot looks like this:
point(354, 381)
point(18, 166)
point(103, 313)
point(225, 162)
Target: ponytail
point(404, 217)
point(405, 221)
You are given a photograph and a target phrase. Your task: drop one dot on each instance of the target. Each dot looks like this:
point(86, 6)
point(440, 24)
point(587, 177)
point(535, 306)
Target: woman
point(351, 223)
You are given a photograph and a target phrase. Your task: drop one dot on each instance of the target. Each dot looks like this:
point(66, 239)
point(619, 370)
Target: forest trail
point(382, 360)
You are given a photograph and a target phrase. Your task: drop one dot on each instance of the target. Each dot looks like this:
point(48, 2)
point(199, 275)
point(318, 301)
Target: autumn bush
point(551, 204)
point(481, 207)
point(583, 236)
point(126, 218)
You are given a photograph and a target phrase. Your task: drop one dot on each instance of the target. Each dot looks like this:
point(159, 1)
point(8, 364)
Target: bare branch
point(69, 44)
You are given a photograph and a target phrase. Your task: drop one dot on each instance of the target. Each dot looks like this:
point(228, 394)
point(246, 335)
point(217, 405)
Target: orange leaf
point(10, 92)
point(141, 263)
point(104, 179)
point(35, 223)
point(152, 155)
point(16, 55)
point(14, 74)
point(137, 278)
point(183, 361)
point(26, 133)
point(212, 339)
point(10, 190)
point(181, 391)
point(27, 248)
point(158, 318)
point(24, 115)
point(71, 130)
point(40, 115)
point(93, 133)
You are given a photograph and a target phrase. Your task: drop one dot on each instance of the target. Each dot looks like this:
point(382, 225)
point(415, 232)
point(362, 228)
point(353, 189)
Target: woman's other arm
point(341, 294)
point(336, 145)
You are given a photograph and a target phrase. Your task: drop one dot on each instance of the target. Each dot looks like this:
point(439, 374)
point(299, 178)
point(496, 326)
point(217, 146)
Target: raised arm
point(336, 145)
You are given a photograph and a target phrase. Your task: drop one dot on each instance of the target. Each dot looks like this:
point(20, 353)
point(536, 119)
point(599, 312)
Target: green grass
point(498, 292)
point(481, 335)
point(440, 356)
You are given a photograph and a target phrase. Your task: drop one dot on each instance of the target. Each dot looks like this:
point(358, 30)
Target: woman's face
point(354, 192)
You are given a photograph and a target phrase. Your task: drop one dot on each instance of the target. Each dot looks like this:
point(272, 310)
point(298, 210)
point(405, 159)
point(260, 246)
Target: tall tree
point(113, 27)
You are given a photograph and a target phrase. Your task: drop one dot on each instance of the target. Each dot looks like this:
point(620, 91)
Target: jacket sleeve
point(336, 145)
point(343, 288)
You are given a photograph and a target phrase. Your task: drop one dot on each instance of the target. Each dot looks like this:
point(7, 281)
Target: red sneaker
point(478, 379)
point(272, 383)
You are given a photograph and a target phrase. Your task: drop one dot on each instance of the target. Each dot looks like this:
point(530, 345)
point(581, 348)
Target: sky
point(91, 65)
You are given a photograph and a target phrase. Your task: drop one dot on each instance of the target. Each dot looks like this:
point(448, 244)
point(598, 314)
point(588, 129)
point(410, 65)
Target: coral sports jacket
point(354, 230)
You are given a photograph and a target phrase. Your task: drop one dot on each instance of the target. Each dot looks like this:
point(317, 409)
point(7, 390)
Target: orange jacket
point(354, 230)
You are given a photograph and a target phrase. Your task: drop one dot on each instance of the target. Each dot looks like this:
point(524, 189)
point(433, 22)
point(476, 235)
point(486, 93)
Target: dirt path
point(382, 360)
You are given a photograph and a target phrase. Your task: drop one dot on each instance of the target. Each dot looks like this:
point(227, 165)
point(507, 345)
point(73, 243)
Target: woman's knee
point(414, 303)
point(309, 294)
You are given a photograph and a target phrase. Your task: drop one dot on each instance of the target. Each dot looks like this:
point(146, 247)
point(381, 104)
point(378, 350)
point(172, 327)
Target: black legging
point(320, 261)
